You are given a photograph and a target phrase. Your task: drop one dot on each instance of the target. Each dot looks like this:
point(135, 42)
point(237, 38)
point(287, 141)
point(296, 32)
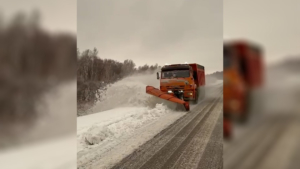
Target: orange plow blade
point(163, 95)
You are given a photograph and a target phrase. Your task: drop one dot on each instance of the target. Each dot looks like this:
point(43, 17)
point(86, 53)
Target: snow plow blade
point(163, 95)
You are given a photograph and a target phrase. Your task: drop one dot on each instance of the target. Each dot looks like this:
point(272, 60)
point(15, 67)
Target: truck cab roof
point(194, 66)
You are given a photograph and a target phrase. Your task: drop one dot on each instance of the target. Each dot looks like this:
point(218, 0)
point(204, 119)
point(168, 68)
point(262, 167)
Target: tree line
point(94, 73)
point(32, 61)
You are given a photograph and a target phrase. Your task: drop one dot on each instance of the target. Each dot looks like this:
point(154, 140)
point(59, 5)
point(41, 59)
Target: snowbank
point(100, 128)
point(130, 91)
point(125, 109)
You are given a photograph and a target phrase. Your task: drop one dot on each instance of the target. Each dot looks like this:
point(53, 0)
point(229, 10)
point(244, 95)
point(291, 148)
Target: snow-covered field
point(56, 153)
point(51, 143)
point(126, 119)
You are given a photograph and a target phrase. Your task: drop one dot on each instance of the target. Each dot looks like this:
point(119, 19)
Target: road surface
point(193, 141)
point(272, 142)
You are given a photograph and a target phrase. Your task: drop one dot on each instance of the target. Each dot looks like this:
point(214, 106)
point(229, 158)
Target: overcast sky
point(57, 15)
point(153, 31)
point(171, 31)
point(275, 24)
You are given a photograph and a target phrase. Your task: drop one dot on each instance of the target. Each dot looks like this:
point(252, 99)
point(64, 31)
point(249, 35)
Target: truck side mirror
point(157, 74)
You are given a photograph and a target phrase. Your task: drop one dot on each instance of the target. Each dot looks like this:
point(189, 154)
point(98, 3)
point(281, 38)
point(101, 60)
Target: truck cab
point(184, 81)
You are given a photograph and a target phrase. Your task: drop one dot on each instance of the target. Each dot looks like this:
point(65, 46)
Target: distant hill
point(217, 75)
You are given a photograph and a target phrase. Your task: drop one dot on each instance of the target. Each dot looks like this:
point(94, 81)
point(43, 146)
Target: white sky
point(275, 24)
point(171, 31)
point(57, 15)
point(153, 31)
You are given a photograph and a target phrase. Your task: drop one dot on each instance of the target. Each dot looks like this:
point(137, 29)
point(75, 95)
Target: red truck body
point(180, 83)
point(250, 56)
point(199, 72)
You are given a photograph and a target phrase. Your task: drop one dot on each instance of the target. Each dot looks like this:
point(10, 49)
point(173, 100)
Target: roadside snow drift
point(124, 110)
point(112, 124)
point(130, 91)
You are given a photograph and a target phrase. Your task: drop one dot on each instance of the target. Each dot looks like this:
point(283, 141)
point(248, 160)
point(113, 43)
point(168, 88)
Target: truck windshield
point(175, 74)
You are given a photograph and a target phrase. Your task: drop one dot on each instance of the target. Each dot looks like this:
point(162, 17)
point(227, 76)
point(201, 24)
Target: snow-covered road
point(128, 118)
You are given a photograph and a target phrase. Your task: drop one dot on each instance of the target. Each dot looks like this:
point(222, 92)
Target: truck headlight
point(180, 91)
point(170, 91)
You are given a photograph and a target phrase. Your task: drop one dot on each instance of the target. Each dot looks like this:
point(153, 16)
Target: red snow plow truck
point(243, 77)
point(180, 83)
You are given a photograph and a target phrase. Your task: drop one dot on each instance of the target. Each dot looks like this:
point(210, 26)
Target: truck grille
point(175, 87)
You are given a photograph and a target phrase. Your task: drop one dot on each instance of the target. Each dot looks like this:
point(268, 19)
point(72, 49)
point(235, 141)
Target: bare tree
point(94, 73)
